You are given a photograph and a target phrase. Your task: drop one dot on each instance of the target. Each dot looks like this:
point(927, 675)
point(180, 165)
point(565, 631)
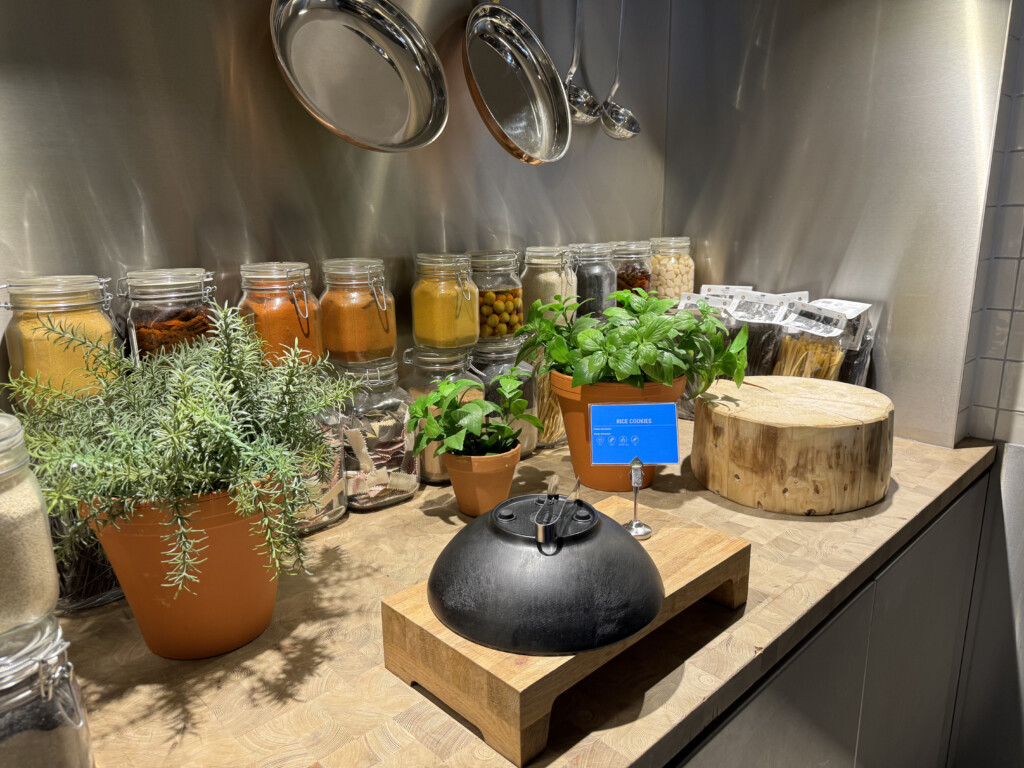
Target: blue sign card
point(620, 433)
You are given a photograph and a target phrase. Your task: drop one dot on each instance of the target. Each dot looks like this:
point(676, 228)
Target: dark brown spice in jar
point(633, 275)
point(160, 330)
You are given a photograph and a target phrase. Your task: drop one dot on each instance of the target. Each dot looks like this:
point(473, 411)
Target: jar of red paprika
point(166, 307)
point(278, 295)
point(359, 311)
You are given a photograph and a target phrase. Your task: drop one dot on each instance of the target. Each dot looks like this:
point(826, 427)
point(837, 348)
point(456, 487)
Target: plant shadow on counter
point(119, 672)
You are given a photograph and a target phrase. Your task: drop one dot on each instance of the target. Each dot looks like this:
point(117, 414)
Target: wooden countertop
point(313, 691)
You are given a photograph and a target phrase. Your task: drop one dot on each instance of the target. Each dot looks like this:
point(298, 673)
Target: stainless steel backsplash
point(840, 146)
point(843, 147)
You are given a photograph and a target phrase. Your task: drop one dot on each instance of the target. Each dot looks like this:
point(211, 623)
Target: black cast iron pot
point(525, 579)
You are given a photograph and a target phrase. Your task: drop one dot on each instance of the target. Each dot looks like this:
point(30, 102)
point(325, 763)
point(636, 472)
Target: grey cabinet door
point(918, 626)
point(805, 713)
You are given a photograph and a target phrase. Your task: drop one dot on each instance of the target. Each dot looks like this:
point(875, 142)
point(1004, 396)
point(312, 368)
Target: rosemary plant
point(209, 416)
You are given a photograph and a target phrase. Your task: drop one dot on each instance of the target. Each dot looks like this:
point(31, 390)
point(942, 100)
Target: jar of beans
point(671, 267)
point(632, 265)
point(502, 306)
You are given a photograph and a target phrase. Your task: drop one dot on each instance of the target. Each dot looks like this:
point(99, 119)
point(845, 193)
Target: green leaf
point(590, 340)
point(455, 442)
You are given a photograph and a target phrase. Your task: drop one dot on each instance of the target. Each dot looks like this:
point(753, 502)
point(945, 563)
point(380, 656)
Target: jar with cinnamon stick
point(167, 307)
point(358, 311)
point(278, 295)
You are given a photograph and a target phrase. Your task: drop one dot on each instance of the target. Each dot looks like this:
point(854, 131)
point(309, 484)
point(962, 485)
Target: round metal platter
point(515, 86)
point(363, 69)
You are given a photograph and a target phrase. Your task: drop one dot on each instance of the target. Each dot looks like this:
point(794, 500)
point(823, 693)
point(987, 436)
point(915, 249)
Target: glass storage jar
point(632, 265)
point(75, 302)
point(671, 267)
point(427, 367)
point(28, 573)
point(595, 278)
point(42, 718)
point(501, 300)
point(358, 311)
point(498, 359)
point(166, 307)
point(549, 272)
point(278, 296)
point(444, 302)
point(331, 493)
point(380, 469)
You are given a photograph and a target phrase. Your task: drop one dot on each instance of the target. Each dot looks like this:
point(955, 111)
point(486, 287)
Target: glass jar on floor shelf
point(501, 301)
point(498, 359)
point(632, 265)
point(595, 278)
point(358, 311)
point(278, 295)
point(77, 303)
point(42, 718)
point(166, 307)
point(549, 272)
point(444, 302)
point(671, 267)
point(380, 469)
point(426, 367)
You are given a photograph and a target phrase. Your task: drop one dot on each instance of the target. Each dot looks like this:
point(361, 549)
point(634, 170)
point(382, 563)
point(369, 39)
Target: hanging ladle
point(584, 106)
point(617, 121)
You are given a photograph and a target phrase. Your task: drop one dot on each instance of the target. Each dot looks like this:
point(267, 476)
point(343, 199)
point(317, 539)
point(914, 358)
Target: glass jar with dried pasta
point(427, 368)
point(278, 296)
point(444, 302)
point(358, 311)
point(74, 302)
point(501, 300)
point(166, 307)
point(671, 267)
point(380, 468)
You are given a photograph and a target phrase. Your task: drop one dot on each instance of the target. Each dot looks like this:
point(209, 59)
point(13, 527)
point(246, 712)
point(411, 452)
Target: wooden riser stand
point(508, 696)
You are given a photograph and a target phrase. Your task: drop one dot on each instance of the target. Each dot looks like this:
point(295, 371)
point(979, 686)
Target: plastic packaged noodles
point(811, 343)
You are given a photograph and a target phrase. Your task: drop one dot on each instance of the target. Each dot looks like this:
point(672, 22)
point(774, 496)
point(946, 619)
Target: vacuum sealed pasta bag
point(763, 315)
point(684, 405)
point(723, 290)
point(857, 340)
point(810, 345)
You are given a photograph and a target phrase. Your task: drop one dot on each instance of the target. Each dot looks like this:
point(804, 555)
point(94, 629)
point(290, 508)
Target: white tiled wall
point(992, 397)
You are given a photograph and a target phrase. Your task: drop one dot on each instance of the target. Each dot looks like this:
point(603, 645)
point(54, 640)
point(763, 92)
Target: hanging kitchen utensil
point(515, 86)
point(363, 69)
point(545, 574)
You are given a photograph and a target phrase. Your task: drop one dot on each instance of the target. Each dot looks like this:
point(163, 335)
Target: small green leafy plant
point(467, 425)
point(208, 416)
point(636, 342)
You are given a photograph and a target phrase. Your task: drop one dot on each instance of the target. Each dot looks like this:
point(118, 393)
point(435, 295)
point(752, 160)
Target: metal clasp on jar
point(292, 285)
point(377, 287)
point(209, 289)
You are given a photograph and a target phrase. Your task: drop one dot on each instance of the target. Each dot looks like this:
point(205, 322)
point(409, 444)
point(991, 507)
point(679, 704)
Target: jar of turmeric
point(358, 311)
point(39, 305)
point(444, 302)
point(166, 307)
point(278, 295)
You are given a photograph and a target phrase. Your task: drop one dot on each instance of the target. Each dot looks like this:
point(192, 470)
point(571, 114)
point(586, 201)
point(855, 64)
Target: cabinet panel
point(805, 713)
point(917, 636)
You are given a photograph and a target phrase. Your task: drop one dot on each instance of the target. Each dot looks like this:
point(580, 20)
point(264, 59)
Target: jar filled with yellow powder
point(78, 303)
point(444, 302)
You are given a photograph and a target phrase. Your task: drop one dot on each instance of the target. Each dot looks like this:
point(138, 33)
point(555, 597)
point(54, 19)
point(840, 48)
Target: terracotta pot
point(481, 482)
point(231, 604)
point(575, 403)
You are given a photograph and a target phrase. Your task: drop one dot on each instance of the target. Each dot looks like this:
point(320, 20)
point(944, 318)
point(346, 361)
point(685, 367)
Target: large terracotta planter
point(575, 403)
point(481, 482)
point(231, 604)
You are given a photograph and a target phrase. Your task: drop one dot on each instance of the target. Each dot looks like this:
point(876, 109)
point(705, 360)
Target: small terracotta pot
point(481, 482)
point(231, 604)
point(575, 404)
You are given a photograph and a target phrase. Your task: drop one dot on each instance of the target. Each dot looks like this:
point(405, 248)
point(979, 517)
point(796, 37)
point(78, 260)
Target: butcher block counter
point(313, 690)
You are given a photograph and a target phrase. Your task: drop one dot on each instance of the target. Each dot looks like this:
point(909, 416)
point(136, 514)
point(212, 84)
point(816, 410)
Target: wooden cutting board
point(794, 445)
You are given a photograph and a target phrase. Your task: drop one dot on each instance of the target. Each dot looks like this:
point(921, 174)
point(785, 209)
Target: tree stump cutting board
point(794, 445)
